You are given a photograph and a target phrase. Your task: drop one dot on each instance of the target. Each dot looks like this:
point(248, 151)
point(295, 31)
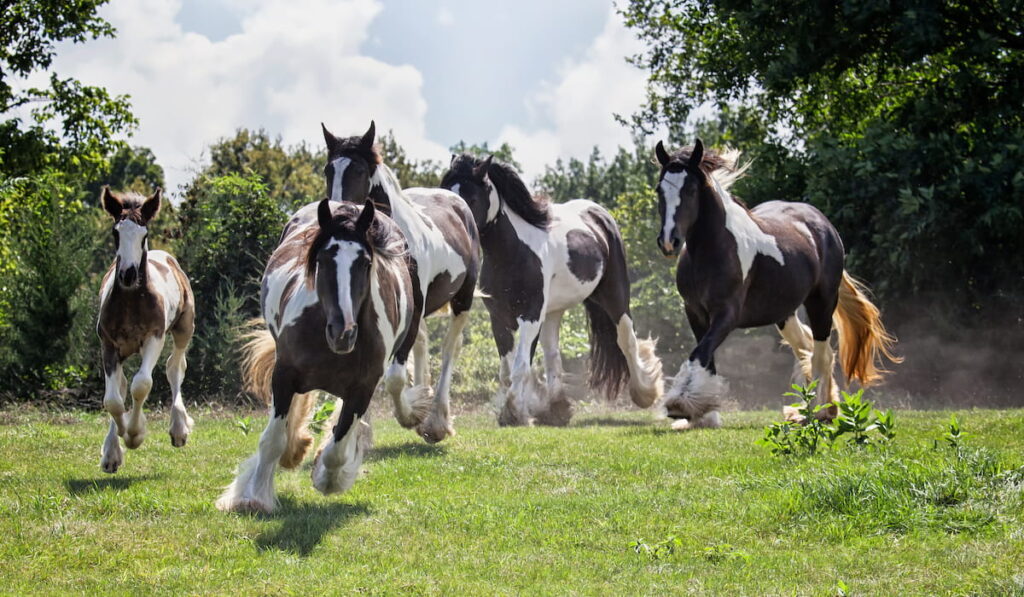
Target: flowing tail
point(863, 340)
point(608, 368)
point(259, 356)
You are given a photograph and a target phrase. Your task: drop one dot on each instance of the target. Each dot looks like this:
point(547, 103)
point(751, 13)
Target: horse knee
point(141, 385)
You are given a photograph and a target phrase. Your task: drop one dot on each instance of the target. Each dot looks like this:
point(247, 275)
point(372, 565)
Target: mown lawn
point(521, 511)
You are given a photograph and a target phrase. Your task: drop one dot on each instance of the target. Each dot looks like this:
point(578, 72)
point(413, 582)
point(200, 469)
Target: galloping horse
point(541, 259)
point(741, 268)
point(337, 299)
point(445, 249)
point(144, 295)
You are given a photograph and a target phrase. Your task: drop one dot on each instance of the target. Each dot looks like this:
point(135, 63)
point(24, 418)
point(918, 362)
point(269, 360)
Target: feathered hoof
point(251, 505)
point(711, 420)
point(558, 412)
point(648, 385)
point(416, 404)
point(511, 416)
point(296, 452)
point(791, 414)
point(435, 429)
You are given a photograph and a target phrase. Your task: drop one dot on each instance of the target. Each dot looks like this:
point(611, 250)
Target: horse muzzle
point(128, 278)
point(669, 248)
point(342, 340)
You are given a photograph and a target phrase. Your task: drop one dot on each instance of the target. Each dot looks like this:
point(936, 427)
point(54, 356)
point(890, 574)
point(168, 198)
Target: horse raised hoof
point(180, 430)
point(435, 429)
point(111, 462)
point(414, 406)
point(133, 441)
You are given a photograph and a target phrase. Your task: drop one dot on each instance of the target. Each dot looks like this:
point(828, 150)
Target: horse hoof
point(178, 442)
point(110, 466)
point(132, 442)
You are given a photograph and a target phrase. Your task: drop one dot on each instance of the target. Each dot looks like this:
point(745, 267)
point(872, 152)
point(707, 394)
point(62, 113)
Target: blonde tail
point(863, 340)
point(259, 355)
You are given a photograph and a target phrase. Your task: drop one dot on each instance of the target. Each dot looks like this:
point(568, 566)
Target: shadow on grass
point(411, 449)
point(304, 524)
point(107, 483)
point(609, 422)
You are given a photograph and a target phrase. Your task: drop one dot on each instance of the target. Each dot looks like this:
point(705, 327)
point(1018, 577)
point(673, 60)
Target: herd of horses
point(346, 292)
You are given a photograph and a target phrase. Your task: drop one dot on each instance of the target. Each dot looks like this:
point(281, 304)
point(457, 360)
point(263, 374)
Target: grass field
point(592, 509)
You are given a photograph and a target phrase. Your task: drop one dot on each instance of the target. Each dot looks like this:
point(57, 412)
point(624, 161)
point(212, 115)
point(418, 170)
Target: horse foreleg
point(337, 463)
point(523, 394)
point(557, 410)
point(111, 454)
point(697, 390)
point(142, 383)
point(438, 424)
point(253, 487)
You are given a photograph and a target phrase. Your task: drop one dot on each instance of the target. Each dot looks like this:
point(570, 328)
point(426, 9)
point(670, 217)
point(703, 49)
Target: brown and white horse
point(337, 299)
point(144, 295)
point(742, 268)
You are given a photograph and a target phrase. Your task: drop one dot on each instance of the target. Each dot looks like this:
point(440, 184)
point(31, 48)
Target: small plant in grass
point(856, 419)
point(954, 433)
point(321, 416)
point(723, 552)
point(658, 550)
point(244, 424)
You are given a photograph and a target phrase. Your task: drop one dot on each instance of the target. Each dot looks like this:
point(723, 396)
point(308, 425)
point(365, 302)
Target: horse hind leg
point(336, 465)
point(438, 424)
point(557, 410)
point(819, 312)
point(411, 404)
point(646, 384)
point(797, 335)
point(181, 422)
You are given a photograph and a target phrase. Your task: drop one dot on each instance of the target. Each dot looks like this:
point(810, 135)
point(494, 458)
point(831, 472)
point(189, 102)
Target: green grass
point(615, 504)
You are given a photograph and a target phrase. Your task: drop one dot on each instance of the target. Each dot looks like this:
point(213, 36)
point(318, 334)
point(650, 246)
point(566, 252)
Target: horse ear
point(323, 213)
point(329, 138)
point(698, 154)
point(454, 157)
point(481, 169)
point(663, 157)
point(152, 206)
point(111, 203)
point(366, 143)
point(365, 220)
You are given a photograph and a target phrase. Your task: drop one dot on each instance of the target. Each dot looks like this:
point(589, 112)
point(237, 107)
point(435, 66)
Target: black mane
point(387, 239)
point(508, 184)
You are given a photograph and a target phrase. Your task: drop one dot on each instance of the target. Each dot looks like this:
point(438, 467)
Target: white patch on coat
point(388, 332)
point(804, 230)
point(750, 239)
point(493, 201)
point(340, 165)
point(671, 185)
point(130, 245)
point(165, 285)
point(434, 256)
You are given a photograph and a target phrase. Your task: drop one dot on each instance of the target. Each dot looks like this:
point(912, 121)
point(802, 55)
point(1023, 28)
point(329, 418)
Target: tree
point(410, 172)
point(503, 153)
point(901, 120)
point(88, 119)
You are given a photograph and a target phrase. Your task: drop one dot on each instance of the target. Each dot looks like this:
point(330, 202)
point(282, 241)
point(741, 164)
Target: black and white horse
point(445, 248)
point(541, 259)
point(337, 301)
point(741, 268)
point(144, 295)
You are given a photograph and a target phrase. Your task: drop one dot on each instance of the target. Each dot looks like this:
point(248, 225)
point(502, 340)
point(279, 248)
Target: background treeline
point(901, 121)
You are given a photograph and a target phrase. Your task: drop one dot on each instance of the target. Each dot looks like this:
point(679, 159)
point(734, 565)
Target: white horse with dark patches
point(445, 248)
point(539, 261)
point(144, 295)
point(337, 299)
point(742, 268)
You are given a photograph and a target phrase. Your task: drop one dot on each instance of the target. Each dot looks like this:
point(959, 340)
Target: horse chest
point(127, 319)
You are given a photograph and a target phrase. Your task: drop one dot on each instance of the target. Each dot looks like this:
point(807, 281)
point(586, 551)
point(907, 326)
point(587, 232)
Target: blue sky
point(543, 76)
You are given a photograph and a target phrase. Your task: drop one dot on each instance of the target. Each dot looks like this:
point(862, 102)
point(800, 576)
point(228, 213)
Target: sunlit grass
point(539, 510)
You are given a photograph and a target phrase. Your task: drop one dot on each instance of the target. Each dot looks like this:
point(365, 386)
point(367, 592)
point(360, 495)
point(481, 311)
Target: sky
point(545, 76)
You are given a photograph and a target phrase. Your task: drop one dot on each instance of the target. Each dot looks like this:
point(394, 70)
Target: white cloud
point(294, 63)
point(445, 17)
point(581, 105)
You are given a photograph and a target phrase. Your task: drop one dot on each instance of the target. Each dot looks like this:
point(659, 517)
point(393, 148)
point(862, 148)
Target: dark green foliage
point(229, 227)
point(504, 153)
point(600, 180)
point(902, 121)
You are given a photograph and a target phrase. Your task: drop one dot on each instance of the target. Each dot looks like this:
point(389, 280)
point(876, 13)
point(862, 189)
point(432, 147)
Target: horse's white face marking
point(671, 185)
point(348, 253)
point(340, 165)
point(494, 202)
point(131, 242)
point(750, 239)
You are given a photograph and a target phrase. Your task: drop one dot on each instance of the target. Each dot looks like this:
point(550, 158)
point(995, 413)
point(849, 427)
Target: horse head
point(340, 263)
point(467, 178)
point(132, 214)
point(351, 164)
point(680, 185)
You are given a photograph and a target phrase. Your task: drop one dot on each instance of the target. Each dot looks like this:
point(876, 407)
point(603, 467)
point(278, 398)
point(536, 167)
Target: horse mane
point(535, 210)
point(385, 238)
point(349, 145)
point(131, 203)
point(461, 168)
point(724, 167)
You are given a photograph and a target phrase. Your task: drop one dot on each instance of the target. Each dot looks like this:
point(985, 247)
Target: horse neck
point(403, 210)
point(499, 235)
point(711, 215)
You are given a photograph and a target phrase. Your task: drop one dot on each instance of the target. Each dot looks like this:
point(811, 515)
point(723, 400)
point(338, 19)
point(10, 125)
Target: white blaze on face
point(750, 239)
point(130, 244)
point(339, 172)
point(670, 186)
point(348, 253)
point(495, 202)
